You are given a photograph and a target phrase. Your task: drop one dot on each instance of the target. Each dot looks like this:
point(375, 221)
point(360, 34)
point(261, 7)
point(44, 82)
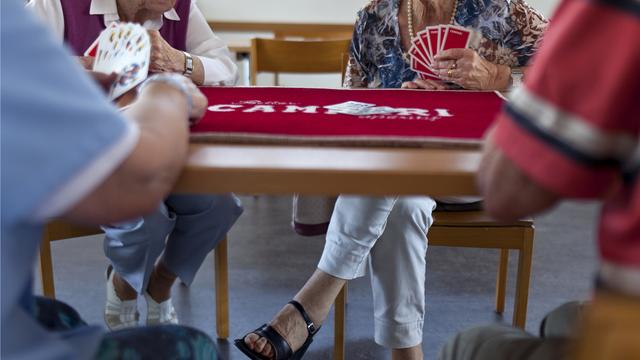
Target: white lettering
point(304, 109)
point(410, 111)
point(444, 113)
point(260, 108)
point(223, 108)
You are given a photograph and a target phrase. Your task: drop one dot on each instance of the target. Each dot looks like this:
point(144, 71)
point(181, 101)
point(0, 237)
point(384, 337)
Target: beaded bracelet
point(175, 80)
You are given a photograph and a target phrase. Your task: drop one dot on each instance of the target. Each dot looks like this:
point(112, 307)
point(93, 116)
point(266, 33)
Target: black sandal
point(280, 346)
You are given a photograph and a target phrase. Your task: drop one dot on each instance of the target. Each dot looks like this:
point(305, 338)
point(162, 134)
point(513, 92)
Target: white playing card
point(349, 105)
point(374, 110)
point(124, 50)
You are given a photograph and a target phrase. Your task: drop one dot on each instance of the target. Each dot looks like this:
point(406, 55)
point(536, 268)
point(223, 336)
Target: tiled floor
point(268, 263)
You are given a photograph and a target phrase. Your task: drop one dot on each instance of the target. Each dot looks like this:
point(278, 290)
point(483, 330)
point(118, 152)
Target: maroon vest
point(81, 29)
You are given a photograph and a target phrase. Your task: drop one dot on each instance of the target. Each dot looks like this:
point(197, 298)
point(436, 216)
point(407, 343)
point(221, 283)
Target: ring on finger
point(450, 73)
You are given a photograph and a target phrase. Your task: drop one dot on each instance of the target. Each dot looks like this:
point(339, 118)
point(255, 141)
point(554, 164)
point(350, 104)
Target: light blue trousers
point(185, 227)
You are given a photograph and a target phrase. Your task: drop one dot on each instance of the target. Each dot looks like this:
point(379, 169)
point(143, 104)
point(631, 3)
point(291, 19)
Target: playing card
point(125, 50)
point(423, 71)
point(92, 49)
point(432, 36)
point(349, 106)
point(455, 37)
point(375, 110)
point(420, 51)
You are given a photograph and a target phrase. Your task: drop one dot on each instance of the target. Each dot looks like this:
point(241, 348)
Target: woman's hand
point(469, 70)
point(424, 84)
point(164, 58)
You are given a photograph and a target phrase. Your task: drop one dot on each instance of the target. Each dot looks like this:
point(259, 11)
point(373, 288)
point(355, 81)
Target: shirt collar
point(109, 9)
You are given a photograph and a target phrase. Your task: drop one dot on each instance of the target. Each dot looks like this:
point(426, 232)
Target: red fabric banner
point(298, 115)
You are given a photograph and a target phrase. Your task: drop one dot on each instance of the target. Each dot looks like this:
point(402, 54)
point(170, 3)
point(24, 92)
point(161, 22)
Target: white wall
point(303, 11)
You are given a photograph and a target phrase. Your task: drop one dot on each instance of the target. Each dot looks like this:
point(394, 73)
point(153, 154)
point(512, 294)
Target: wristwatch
point(516, 77)
point(188, 64)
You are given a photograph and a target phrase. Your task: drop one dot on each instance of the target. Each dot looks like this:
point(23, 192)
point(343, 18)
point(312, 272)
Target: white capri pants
point(391, 232)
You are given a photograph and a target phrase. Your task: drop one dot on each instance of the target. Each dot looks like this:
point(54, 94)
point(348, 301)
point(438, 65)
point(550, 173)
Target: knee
point(414, 212)
point(483, 342)
point(195, 205)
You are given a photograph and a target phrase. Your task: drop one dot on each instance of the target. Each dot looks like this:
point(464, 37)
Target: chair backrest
point(325, 56)
point(312, 35)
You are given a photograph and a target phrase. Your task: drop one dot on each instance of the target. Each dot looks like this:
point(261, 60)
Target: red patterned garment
point(575, 127)
point(298, 115)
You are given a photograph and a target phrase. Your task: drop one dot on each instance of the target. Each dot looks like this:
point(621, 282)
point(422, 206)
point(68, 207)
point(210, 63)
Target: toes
point(261, 346)
point(250, 340)
point(270, 354)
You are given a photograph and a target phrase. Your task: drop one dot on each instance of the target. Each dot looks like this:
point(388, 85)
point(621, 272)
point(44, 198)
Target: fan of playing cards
point(432, 40)
point(124, 49)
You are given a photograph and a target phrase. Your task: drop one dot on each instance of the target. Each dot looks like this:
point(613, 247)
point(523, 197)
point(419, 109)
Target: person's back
point(573, 131)
point(66, 152)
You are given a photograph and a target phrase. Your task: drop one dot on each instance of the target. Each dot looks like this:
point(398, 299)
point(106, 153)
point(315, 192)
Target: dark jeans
point(152, 342)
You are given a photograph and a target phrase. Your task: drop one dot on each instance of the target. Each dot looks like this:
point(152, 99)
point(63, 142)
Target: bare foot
point(316, 297)
point(289, 324)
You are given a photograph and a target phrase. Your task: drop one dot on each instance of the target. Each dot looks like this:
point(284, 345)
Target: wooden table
point(252, 169)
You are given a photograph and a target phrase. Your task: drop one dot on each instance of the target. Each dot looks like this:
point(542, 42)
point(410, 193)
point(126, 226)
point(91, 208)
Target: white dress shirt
point(219, 69)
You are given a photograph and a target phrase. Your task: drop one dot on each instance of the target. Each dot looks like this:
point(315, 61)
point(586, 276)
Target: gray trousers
point(185, 227)
point(499, 342)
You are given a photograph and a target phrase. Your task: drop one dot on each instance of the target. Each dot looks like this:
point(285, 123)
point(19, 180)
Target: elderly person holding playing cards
point(148, 254)
point(388, 233)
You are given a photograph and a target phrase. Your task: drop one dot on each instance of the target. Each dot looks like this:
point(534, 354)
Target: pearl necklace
point(412, 33)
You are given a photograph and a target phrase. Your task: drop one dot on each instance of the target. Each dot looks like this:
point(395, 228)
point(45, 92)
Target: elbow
point(500, 208)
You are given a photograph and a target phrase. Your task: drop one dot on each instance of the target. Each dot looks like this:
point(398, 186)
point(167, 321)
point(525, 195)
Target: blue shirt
point(60, 138)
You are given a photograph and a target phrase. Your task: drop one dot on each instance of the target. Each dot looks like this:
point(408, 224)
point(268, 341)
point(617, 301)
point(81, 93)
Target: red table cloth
point(278, 115)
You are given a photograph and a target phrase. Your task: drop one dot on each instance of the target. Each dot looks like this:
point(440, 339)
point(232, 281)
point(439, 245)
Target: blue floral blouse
point(506, 32)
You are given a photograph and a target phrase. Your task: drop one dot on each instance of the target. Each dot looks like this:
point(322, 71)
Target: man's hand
point(104, 80)
point(86, 61)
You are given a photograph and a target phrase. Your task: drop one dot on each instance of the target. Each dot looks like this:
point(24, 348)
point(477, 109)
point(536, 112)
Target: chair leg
point(522, 281)
point(222, 289)
point(339, 324)
point(46, 269)
point(501, 280)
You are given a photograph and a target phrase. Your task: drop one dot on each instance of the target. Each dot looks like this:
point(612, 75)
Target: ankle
point(412, 353)
point(160, 283)
point(123, 289)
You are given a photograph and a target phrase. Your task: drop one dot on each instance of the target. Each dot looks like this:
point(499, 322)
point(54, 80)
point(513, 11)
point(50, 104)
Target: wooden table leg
point(522, 281)
point(222, 289)
point(46, 269)
point(501, 280)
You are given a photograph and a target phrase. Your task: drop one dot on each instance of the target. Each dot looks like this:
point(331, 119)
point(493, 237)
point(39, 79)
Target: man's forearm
point(508, 193)
point(145, 178)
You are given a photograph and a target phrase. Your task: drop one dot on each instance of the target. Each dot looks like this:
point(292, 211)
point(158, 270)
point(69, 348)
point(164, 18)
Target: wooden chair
point(471, 229)
point(298, 57)
point(610, 329)
point(59, 230)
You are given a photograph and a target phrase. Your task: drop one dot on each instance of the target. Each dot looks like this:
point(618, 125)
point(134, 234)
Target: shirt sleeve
point(63, 136)
point(574, 126)
point(49, 12)
point(219, 68)
point(530, 25)
point(355, 75)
